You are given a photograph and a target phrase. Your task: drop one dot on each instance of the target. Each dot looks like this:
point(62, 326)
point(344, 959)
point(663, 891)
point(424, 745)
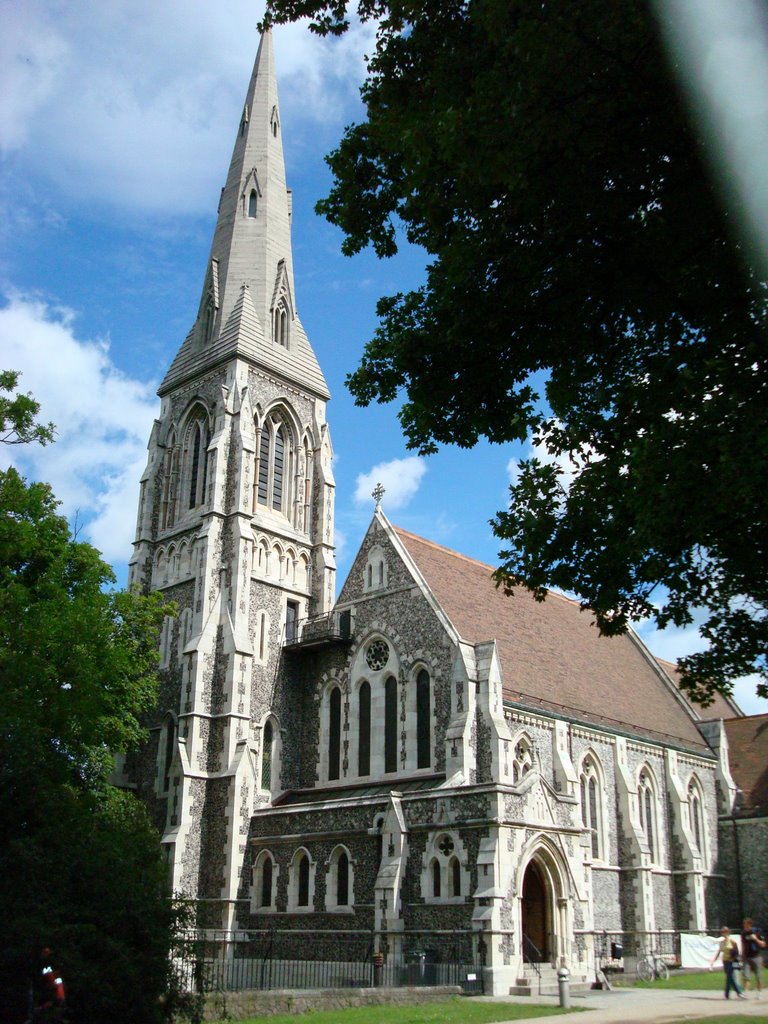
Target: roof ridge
point(476, 561)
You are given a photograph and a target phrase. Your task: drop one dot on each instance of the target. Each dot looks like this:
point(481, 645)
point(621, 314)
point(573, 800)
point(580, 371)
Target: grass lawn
point(711, 981)
point(453, 1011)
point(731, 1018)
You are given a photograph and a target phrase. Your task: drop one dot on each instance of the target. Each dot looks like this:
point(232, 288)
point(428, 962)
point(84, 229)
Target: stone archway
point(536, 914)
point(545, 912)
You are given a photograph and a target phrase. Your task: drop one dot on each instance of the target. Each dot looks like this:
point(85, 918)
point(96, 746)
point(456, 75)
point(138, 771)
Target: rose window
point(377, 655)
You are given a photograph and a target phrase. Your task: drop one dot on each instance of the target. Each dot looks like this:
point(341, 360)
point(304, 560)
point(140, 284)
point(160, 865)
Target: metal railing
point(319, 630)
point(532, 958)
point(613, 947)
point(227, 962)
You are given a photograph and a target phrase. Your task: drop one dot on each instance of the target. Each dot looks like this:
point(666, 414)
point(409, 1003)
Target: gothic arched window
point(443, 878)
point(280, 324)
point(364, 729)
point(302, 881)
point(266, 756)
point(454, 873)
point(342, 880)
point(646, 796)
point(423, 721)
point(436, 879)
point(390, 724)
point(170, 482)
point(696, 815)
point(591, 804)
point(195, 458)
point(275, 466)
point(252, 203)
point(264, 879)
point(197, 480)
point(334, 733)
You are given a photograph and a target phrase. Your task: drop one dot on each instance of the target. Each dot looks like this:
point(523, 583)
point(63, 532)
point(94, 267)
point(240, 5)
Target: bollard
point(563, 984)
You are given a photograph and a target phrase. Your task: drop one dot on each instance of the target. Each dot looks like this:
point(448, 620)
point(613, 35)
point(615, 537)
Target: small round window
point(377, 655)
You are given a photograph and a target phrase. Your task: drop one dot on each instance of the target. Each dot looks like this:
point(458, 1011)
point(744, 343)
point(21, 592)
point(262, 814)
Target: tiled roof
point(721, 707)
point(748, 757)
point(552, 655)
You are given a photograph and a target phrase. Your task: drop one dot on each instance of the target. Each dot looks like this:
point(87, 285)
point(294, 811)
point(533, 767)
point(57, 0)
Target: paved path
point(641, 1005)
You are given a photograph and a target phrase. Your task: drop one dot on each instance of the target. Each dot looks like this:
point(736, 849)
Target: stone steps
point(528, 984)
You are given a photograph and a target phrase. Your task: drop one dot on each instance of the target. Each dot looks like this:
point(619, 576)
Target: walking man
point(752, 946)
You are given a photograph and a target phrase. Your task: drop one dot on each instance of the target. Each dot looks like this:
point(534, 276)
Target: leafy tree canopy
point(17, 414)
point(77, 663)
point(540, 152)
point(80, 864)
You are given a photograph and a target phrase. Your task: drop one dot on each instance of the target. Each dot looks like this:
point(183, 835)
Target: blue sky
point(116, 127)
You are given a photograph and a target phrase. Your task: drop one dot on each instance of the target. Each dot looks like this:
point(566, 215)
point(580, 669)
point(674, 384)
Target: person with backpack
point(752, 946)
point(728, 949)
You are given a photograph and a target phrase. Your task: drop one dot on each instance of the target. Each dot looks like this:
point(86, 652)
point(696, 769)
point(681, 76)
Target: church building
point(421, 765)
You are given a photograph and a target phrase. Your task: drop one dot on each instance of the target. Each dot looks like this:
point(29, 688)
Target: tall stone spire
point(235, 525)
point(248, 304)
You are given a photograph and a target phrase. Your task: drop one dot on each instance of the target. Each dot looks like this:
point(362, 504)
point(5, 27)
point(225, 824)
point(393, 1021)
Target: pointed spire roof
point(250, 269)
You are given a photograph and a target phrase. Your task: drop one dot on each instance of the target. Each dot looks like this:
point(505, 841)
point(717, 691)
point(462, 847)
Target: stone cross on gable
point(377, 494)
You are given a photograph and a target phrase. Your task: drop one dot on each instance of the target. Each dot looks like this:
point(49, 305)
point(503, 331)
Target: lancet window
point(423, 720)
point(170, 482)
point(646, 796)
point(696, 815)
point(334, 733)
point(275, 468)
point(390, 724)
point(264, 881)
point(301, 881)
point(280, 324)
point(339, 885)
point(591, 804)
point(364, 729)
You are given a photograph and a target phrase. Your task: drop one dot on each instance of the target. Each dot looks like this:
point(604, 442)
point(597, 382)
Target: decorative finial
point(377, 494)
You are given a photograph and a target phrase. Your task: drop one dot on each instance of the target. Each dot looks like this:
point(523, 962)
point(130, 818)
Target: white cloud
point(569, 467)
point(103, 420)
point(671, 644)
point(400, 479)
point(131, 104)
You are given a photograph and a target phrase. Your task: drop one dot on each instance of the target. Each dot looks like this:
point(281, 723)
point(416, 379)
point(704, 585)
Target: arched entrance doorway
point(536, 915)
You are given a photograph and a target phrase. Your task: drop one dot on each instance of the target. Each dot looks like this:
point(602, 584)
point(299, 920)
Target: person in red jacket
point(49, 1001)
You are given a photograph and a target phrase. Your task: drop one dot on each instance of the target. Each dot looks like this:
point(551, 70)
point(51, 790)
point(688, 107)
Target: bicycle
point(652, 966)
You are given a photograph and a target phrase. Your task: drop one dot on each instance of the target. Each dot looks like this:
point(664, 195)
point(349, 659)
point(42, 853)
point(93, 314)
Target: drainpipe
point(737, 858)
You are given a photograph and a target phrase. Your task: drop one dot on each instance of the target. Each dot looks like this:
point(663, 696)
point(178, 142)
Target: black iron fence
point(233, 961)
point(613, 948)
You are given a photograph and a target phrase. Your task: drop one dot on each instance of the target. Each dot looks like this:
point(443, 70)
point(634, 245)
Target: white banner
point(697, 950)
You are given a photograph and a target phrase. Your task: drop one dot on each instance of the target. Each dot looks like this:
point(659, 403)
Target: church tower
point(235, 521)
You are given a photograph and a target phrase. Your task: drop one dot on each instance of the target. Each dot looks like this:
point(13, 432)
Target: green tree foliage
point(541, 153)
point(17, 414)
point(80, 867)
